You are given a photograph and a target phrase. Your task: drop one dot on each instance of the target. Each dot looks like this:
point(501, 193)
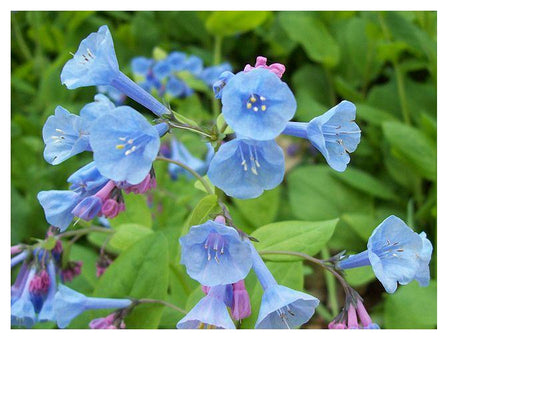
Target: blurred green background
point(384, 62)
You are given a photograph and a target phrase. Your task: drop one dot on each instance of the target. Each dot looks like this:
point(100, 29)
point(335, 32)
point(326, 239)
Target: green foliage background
point(384, 62)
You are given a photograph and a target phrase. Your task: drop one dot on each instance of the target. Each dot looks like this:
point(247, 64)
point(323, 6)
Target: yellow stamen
point(263, 107)
point(248, 105)
point(119, 146)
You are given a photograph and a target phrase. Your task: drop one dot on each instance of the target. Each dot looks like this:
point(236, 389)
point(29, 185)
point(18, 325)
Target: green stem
point(165, 303)
point(217, 55)
point(84, 231)
point(192, 171)
point(331, 286)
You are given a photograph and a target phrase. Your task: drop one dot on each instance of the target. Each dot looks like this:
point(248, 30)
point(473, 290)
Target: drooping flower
point(91, 206)
point(66, 134)
point(214, 254)
point(125, 144)
point(58, 206)
point(16, 260)
point(70, 271)
point(209, 312)
point(149, 182)
point(257, 104)
point(112, 321)
point(241, 307)
point(334, 134)
point(396, 253)
point(244, 168)
point(261, 61)
point(353, 315)
point(95, 64)
point(68, 304)
point(281, 307)
point(179, 152)
point(33, 292)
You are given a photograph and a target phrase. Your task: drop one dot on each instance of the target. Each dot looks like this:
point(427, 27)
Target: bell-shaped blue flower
point(22, 309)
point(257, 104)
point(211, 311)
point(193, 64)
point(334, 134)
point(245, 168)
point(68, 304)
point(141, 66)
point(179, 152)
point(281, 307)
point(214, 254)
point(66, 134)
point(95, 62)
point(396, 253)
point(58, 206)
point(87, 179)
point(125, 144)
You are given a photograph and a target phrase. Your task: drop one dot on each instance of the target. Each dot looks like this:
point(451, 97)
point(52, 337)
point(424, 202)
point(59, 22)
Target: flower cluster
point(164, 76)
point(124, 144)
point(258, 106)
point(219, 258)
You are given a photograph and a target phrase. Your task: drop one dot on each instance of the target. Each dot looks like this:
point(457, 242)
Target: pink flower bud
point(110, 209)
point(260, 62)
point(242, 307)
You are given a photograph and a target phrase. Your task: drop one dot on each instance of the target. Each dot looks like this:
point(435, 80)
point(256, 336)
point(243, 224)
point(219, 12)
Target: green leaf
point(290, 274)
point(362, 223)
point(315, 194)
point(137, 212)
point(262, 210)
point(312, 34)
point(225, 23)
point(415, 146)
point(202, 212)
point(412, 307)
point(128, 234)
point(300, 236)
point(139, 272)
point(366, 183)
point(360, 276)
point(200, 186)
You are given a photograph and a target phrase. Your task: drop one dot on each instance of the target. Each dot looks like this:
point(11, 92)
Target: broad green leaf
point(137, 212)
point(315, 194)
point(262, 210)
point(360, 276)
point(366, 183)
point(128, 234)
point(412, 307)
point(300, 236)
point(207, 207)
point(86, 281)
point(362, 223)
point(373, 114)
point(311, 33)
point(290, 274)
point(416, 147)
point(225, 23)
point(139, 272)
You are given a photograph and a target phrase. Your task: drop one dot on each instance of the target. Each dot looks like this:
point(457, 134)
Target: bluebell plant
point(242, 160)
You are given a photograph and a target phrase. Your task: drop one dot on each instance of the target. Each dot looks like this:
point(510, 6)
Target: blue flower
point(281, 307)
point(193, 64)
point(176, 60)
point(179, 152)
point(214, 254)
point(16, 260)
point(177, 88)
point(257, 104)
point(95, 62)
point(22, 310)
point(115, 95)
point(141, 66)
point(210, 74)
point(211, 311)
point(221, 82)
point(66, 134)
point(244, 168)
point(125, 144)
point(58, 205)
point(334, 134)
point(396, 253)
point(68, 304)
